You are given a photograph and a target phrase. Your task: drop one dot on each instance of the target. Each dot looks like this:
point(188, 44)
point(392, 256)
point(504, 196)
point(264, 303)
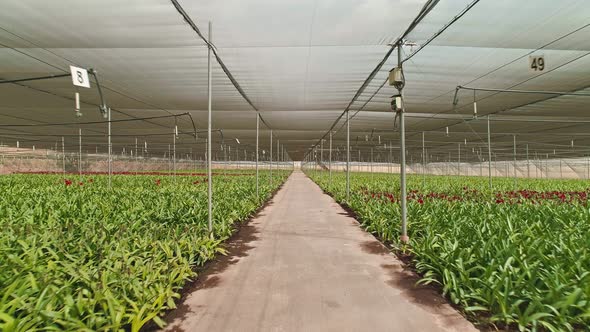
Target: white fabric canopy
point(300, 63)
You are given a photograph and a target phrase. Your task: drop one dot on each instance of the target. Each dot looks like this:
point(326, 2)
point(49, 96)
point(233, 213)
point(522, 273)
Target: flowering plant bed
point(78, 256)
point(160, 173)
point(514, 258)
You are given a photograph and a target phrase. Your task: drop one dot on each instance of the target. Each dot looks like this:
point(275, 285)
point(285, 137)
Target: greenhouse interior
point(295, 165)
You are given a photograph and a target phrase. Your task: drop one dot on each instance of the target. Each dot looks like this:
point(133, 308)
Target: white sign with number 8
point(537, 63)
point(80, 77)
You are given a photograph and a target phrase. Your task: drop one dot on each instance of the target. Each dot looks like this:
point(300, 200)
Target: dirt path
point(304, 265)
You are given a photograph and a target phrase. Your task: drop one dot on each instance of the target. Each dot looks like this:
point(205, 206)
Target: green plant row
point(511, 258)
point(77, 256)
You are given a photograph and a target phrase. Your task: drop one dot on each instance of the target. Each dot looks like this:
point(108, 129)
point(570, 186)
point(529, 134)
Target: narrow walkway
point(304, 265)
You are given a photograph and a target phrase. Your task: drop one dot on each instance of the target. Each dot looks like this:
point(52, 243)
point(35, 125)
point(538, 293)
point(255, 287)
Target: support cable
point(428, 6)
point(226, 70)
point(92, 122)
point(68, 74)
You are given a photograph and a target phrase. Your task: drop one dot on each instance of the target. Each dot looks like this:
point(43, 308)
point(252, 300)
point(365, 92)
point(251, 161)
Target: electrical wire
point(91, 122)
point(513, 61)
point(428, 6)
point(66, 73)
point(226, 70)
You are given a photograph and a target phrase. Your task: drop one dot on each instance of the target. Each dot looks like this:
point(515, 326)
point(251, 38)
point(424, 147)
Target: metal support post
point(270, 158)
point(404, 231)
point(80, 152)
point(514, 156)
point(321, 152)
point(63, 155)
point(423, 162)
point(257, 134)
point(489, 155)
point(209, 152)
point(174, 153)
point(110, 148)
point(330, 162)
point(371, 168)
point(347, 156)
point(459, 159)
point(528, 168)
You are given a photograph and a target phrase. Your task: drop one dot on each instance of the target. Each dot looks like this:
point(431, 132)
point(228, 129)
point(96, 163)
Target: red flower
point(68, 182)
point(157, 182)
point(81, 183)
point(420, 201)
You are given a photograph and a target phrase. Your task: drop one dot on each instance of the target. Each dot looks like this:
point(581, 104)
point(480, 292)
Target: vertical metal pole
point(423, 162)
point(537, 168)
point(174, 153)
point(257, 132)
point(321, 153)
point(347, 156)
point(480, 163)
point(63, 155)
point(514, 156)
point(528, 168)
point(489, 156)
point(371, 169)
point(278, 154)
point(330, 162)
point(110, 143)
point(390, 157)
point(209, 152)
point(136, 156)
point(404, 232)
point(459, 159)
point(270, 156)
point(225, 161)
point(169, 160)
point(360, 161)
point(80, 152)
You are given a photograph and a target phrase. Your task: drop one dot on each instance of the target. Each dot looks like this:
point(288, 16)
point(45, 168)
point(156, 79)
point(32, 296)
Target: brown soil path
point(304, 265)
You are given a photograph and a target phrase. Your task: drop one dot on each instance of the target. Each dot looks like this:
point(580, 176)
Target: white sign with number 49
point(537, 63)
point(80, 77)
